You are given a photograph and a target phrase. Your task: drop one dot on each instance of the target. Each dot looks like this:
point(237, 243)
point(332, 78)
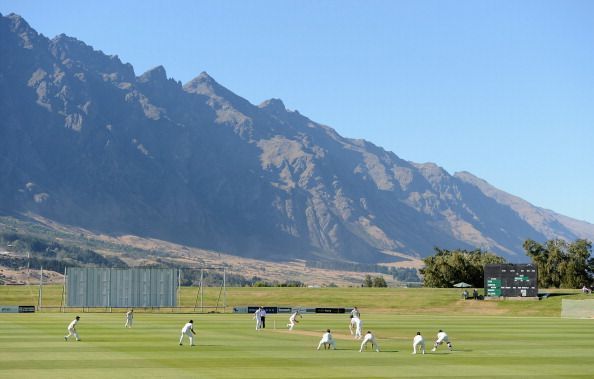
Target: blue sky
point(503, 89)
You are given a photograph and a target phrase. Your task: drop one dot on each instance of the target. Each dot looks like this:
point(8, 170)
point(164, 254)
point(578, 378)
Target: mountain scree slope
point(86, 142)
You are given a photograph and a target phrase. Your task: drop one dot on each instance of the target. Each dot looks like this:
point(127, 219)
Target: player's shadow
point(451, 352)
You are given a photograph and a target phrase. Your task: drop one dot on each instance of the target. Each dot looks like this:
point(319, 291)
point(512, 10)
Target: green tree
point(379, 281)
point(539, 256)
point(557, 261)
point(367, 282)
point(447, 268)
point(561, 264)
point(578, 271)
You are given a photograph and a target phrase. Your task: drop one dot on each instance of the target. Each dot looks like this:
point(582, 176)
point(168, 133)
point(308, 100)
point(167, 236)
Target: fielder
point(369, 338)
point(72, 329)
point(293, 320)
point(358, 327)
point(258, 318)
point(129, 318)
point(352, 325)
point(441, 338)
point(327, 341)
point(418, 341)
point(188, 330)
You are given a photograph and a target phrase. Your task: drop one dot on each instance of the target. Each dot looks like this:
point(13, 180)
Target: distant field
point(490, 339)
point(380, 300)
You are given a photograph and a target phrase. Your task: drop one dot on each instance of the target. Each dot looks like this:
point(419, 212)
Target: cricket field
point(504, 339)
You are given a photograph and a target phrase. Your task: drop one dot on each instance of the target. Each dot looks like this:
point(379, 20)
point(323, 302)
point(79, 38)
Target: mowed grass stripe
point(488, 342)
point(229, 347)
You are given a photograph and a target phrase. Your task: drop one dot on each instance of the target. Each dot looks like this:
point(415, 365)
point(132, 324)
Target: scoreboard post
point(511, 280)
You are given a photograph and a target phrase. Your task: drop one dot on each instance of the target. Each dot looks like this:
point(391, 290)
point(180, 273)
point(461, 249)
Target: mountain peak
point(155, 74)
point(205, 77)
point(203, 166)
point(273, 105)
point(65, 38)
point(18, 21)
point(20, 27)
point(65, 47)
point(202, 84)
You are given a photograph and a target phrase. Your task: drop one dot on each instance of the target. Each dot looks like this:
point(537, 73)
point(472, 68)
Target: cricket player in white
point(72, 329)
point(358, 327)
point(293, 320)
point(327, 340)
point(352, 325)
point(129, 318)
point(441, 338)
point(258, 318)
point(369, 338)
point(355, 313)
point(188, 330)
point(420, 342)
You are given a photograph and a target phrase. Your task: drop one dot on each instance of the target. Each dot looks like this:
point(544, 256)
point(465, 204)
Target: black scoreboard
point(511, 280)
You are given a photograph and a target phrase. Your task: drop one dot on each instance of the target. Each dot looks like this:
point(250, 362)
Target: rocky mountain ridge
point(90, 144)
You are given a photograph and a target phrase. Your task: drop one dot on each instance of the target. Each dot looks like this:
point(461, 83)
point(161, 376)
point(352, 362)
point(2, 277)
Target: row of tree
point(448, 267)
point(560, 264)
point(377, 281)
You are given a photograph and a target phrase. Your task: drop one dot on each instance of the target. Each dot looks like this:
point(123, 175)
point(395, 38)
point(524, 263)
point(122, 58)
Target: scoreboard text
point(511, 280)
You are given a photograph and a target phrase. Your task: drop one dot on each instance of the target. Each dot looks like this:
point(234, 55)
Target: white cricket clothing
point(441, 337)
point(420, 342)
point(187, 331)
point(72, 325)
point(190, 337)
point(352, 325)
point(355, 313)
point(369, 338)
point(72, 330)
point(327, 339)
point(129, 319)
point(187, 328)
point(258, 318)
point(292, 320)
point(358, 327)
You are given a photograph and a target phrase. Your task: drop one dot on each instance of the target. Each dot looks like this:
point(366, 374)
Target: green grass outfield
point(490, 339)
point(228, 346)
point(380, 300)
